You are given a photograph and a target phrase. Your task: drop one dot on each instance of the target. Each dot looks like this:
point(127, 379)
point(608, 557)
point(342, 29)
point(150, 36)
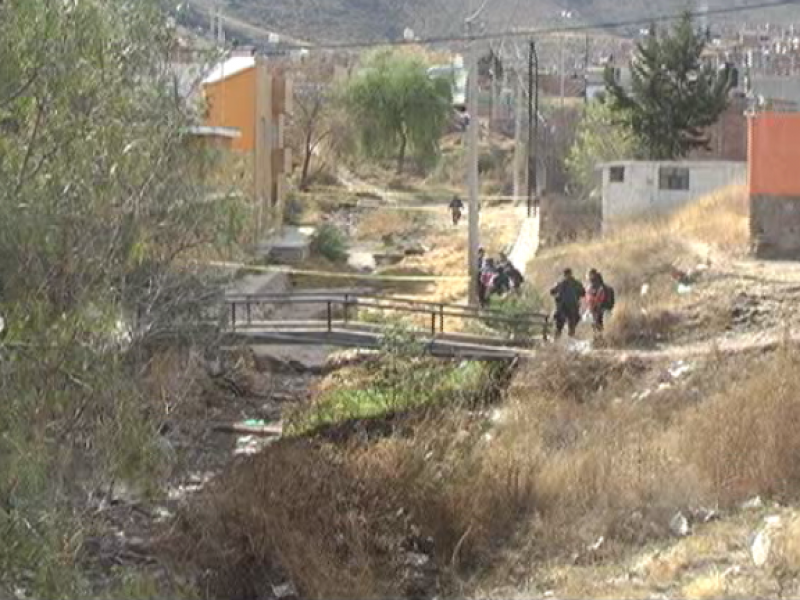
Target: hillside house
point(246, 94)
point(635, 189)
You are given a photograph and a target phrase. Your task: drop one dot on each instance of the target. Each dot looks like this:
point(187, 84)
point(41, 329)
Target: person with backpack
point(516, 278)
point(511, 276)
point(567, 295)
point(487, 278)
point(502, 282)
point(599, 299)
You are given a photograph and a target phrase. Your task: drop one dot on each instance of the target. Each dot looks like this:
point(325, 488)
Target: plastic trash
point(255, 423)
point(684, 289)
point(679, 525)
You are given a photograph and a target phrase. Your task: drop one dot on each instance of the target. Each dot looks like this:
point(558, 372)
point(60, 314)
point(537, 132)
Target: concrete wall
point(774, 182)
point(639, 195)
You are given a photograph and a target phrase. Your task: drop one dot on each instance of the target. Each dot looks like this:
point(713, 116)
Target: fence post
point(346, 307)
point(433, 323)
point(441, 318)
point(330, 317)
point(546, 328)
point(249, 317)
point(233, 315)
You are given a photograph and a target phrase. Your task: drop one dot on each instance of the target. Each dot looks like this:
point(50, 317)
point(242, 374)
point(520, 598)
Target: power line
point(526, 33)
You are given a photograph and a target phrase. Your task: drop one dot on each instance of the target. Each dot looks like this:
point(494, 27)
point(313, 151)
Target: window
point(616, 174)
point(673, 178)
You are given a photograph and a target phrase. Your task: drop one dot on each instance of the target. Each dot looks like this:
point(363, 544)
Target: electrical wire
point(526, 33)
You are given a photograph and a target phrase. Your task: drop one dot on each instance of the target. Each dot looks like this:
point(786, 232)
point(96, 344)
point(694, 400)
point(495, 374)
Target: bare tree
point(313, 120)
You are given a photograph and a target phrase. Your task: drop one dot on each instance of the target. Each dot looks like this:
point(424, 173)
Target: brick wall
point(728, 136)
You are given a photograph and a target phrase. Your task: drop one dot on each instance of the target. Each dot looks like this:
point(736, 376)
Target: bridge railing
point(349, 302)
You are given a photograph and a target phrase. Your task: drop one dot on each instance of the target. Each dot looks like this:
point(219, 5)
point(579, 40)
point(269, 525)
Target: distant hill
point(360, 20)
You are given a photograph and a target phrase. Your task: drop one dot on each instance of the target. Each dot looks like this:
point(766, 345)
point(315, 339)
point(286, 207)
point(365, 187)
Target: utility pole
point(495, 94)
point(519, 106)
point(220, 31)
point(472, 161)
point(586, 71)
point(533, 129)
point(561, 68)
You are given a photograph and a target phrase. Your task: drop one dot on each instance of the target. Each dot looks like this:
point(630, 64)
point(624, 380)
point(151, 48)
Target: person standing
point(488, 276)
point(567, 295)
point(481, 261)
point(599, 300)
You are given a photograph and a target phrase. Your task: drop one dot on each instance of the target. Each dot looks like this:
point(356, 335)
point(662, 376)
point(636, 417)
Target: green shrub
point(330, 242)
point(403, 379)
point(514, 306)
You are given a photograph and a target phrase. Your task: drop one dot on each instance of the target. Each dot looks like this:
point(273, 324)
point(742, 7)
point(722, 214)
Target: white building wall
point(639, 195)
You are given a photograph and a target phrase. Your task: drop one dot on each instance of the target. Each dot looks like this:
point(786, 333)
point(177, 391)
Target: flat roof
point(229, 68)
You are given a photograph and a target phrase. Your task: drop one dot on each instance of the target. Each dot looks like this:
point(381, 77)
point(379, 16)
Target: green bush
point(515, 306)
point(403, 379)
point(330, 242)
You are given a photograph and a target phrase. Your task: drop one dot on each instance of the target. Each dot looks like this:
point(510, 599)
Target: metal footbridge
point(363, 320)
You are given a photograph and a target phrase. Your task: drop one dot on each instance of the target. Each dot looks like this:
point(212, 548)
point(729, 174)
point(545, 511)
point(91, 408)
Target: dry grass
point(784, 558)
point(744, 438)
point(385, 223)
point(711, 585)
point(339, 522)
point(720, 219)
point(651, 252)
point(640, 253)
point(607, 466)
point(634, 323)
point(572, 457)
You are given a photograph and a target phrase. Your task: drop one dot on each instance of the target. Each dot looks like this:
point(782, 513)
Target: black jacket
point(567, 294)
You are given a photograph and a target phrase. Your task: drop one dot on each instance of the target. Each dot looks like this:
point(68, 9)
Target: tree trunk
point(306, 163)
point(401, 158)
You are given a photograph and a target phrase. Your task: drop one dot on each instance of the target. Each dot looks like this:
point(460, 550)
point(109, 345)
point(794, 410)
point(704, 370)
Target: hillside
point(350, 20)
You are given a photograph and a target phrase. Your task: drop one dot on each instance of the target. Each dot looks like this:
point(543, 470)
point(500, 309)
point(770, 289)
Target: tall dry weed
point(634, 322)
point(744, 438)
point(573, 455)
point(720, 219)
point(294, 514)
point(339, 523)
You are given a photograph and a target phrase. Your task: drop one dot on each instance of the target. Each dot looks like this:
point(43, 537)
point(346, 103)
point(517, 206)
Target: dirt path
point(763, 297)
point(743, 342)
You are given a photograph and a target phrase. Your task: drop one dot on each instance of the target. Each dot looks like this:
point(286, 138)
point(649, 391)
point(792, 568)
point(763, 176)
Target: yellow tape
point(361, 276)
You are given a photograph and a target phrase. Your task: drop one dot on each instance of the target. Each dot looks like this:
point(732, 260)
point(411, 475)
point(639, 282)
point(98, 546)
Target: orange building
point(245, 94)
point(774, 184)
